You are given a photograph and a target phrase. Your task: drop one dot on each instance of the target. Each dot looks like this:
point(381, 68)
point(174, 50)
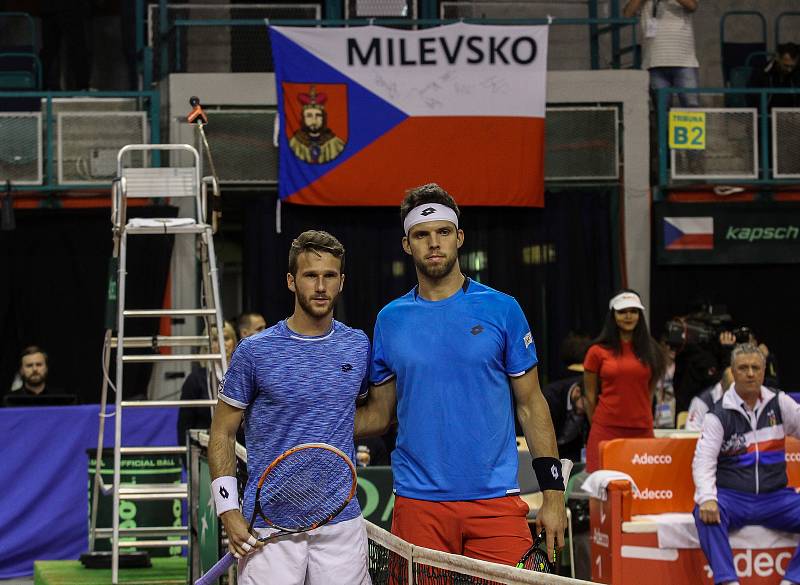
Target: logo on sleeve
point(476, 330)
point(528, 339)
point(346, 367)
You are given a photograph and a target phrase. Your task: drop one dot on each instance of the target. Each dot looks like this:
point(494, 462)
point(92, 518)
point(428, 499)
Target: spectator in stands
point(780, 72)
point(668, 51)
point(733, 487)
point(33, 371)
point(249, 324)
point(566, 399)
point(195, 387)
point(622, 366)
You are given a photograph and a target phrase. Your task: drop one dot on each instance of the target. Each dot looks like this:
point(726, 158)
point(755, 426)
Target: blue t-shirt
point(296, 389)
point(452, 359)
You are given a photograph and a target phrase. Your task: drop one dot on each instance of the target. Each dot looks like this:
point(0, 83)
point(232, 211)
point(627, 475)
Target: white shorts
point(334, 554)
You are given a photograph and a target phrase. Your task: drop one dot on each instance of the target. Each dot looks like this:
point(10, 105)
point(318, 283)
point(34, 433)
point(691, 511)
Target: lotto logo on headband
point(425, 212)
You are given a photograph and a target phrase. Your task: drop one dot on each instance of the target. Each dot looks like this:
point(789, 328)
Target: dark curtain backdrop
point(762, 297)
point(53, 280)
point(569, 291)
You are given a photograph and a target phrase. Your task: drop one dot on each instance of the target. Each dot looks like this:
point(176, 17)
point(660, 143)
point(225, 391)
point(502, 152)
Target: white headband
point(429, 212)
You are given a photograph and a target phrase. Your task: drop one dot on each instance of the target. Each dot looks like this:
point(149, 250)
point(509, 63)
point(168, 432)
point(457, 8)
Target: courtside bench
point(650, 538)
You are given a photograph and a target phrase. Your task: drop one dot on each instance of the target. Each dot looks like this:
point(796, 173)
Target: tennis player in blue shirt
point(296, 382)
point(447, 358)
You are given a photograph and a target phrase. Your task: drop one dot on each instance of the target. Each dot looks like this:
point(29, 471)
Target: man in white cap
point(447, 358)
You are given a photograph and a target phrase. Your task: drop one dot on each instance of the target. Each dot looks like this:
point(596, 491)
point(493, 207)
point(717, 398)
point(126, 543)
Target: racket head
point(305, 487)
point(535, 559)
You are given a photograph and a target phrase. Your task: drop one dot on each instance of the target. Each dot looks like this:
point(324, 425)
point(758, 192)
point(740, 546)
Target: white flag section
point(462, 105)
point(454, 70)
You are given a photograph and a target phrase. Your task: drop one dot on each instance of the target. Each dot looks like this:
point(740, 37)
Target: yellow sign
point(687, 130)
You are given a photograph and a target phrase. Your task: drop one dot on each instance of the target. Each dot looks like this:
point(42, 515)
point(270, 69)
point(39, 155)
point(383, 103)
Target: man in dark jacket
point(781, 72)
point(566, 399)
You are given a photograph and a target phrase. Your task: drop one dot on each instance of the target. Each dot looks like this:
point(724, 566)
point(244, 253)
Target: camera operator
point(699, 356)
point(703, 341)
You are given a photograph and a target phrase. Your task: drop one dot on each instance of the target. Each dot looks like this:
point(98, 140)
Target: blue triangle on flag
point(368, 115)
point(671, 233)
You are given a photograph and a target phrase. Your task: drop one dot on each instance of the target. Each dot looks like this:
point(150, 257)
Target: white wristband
point(226, 493)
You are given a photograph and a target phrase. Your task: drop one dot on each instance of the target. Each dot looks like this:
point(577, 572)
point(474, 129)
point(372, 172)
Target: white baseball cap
point(626, 300)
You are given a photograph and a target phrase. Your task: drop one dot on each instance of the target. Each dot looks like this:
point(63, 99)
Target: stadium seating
point(20, 67)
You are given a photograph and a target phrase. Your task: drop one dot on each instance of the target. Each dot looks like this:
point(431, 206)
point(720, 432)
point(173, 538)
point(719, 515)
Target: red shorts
point(493, 530)
point(599, 432)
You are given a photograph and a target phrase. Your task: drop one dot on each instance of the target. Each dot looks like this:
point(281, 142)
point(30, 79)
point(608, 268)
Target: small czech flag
point(688, 233)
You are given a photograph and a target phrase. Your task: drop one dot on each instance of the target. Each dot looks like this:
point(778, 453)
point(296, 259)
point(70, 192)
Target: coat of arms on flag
point(316, 120)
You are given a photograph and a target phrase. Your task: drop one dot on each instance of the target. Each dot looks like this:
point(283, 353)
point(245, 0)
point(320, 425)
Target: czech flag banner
point(366, 113)
point(688, 233)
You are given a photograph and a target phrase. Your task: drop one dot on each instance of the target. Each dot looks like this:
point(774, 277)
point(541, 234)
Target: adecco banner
point(662, 470)
point(727, 233)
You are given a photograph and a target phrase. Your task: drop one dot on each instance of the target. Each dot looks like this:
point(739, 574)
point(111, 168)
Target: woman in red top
point(620, 372)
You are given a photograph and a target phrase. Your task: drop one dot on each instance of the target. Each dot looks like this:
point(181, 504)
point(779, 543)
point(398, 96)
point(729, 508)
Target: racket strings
point(538, 561)
point(305, 488)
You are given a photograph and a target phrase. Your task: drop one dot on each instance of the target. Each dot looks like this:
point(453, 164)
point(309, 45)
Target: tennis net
point(393, 561)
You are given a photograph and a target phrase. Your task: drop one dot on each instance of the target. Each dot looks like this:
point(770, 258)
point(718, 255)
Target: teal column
point(594, 37)
point(427, 9)
point(334, 10)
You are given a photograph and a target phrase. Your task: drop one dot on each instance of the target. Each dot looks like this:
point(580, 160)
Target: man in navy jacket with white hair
point(739, 465)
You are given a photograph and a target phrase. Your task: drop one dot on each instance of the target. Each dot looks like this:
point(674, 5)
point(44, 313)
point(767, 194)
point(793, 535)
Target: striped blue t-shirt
point(296, 389)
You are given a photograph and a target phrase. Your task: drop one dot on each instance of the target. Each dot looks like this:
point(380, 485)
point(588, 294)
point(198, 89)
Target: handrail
point(664, 94)
point(184, 22)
